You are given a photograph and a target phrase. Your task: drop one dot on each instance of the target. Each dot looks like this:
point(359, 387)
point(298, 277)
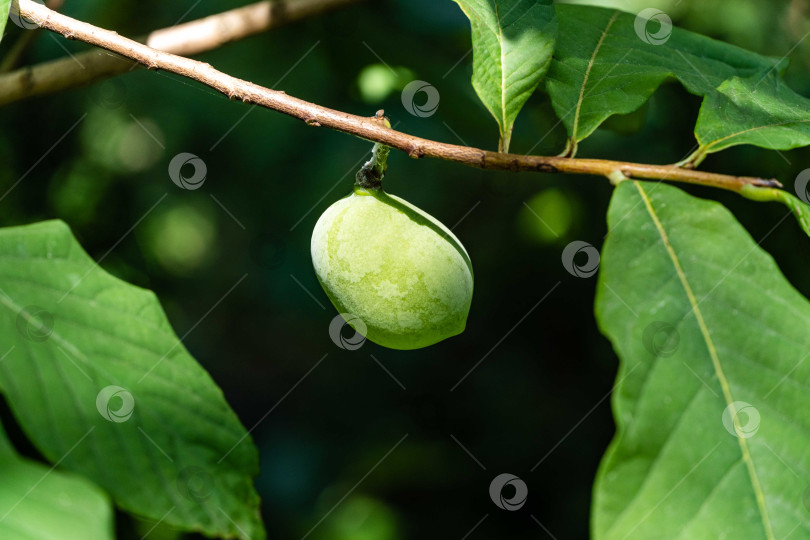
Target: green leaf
point(512, 45)
point(5, 6)
point(101, 384)
point(38, 503)
point(602, 67)
point(711, 398)
point(760, 110)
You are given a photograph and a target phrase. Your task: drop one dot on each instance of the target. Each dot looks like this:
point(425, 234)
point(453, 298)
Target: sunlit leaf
point(711, 397)
point(604, 65)
point(760, 110)
point(512, 45)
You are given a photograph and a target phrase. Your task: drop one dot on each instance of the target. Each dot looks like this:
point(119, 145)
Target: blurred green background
point(539, 400)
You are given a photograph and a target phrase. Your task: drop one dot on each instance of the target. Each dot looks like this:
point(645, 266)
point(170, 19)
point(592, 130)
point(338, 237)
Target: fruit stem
point(371, 173)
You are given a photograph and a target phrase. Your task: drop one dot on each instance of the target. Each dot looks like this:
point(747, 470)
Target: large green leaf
point(39, 503)
point(5, 6)
point(711, 398)
point(602, 67)
point(101, 384)
point(762, 111)
point(512, 45)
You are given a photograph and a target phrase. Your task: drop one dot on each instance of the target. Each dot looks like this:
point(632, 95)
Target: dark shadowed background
point(537, 406)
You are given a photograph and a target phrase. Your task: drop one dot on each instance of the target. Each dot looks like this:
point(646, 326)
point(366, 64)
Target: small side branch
point(375, 128)
point(186, 39)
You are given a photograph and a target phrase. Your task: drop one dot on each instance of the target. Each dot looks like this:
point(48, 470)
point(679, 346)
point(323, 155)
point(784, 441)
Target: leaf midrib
point(718, 368)
point(503, 69)
point(588, 72)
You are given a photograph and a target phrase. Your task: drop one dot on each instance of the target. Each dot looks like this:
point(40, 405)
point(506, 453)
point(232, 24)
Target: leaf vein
point(724, 384)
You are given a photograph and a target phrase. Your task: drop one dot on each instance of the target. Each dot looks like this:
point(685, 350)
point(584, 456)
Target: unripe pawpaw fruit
point(397, 268)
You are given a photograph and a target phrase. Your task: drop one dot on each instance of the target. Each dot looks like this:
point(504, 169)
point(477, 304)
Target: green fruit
point(398, 269)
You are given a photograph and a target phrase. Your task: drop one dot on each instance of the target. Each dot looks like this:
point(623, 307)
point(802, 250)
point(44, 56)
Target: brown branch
point(370, 128)
point(187, 39)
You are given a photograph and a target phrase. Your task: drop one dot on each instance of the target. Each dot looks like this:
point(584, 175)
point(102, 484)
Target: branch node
point(380, 118)
point(617, 176)
point(278, 12)
point(312, 122)
point(416, 152)
point(547, 168)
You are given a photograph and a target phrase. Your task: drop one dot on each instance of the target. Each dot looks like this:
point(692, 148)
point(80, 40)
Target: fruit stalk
point(371, 173)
